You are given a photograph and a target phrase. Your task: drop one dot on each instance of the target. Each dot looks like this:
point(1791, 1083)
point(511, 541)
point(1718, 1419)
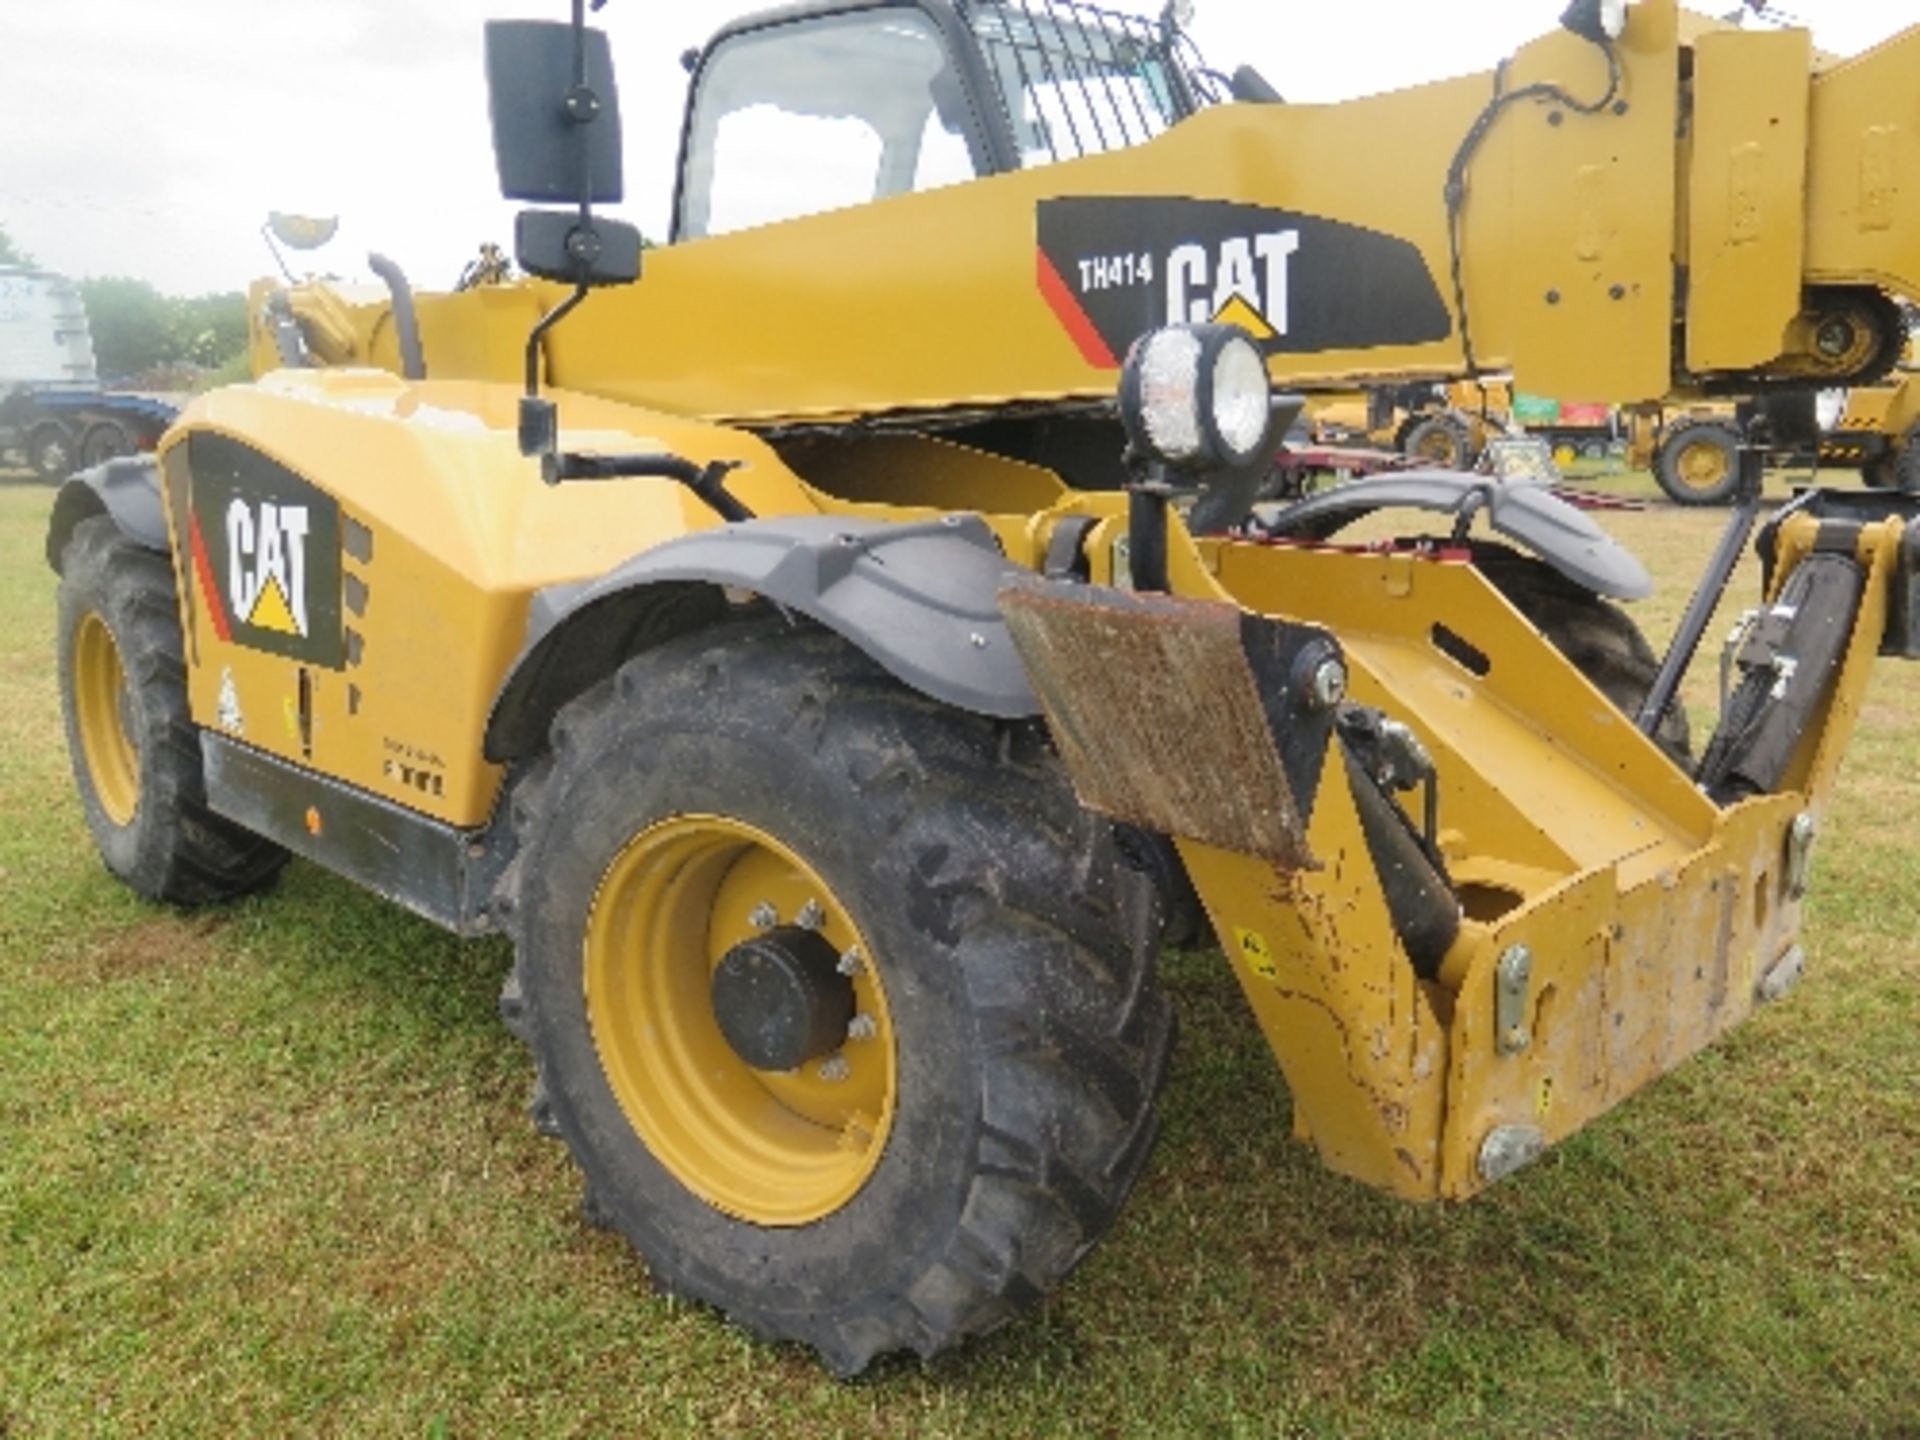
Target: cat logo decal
point(265, 549)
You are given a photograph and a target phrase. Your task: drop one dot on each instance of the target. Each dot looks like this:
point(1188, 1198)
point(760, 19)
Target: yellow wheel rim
point(101, 707)
point(770, 1148)
point(1702, 465)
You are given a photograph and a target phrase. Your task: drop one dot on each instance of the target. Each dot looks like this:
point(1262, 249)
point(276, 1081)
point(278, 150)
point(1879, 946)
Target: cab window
point(819, 114)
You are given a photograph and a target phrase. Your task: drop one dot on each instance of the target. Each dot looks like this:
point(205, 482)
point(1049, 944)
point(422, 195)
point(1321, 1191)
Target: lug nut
point(862, 1027)
point(763, 916)
point(834, 1069)
point(851, 962)
point(811, 916)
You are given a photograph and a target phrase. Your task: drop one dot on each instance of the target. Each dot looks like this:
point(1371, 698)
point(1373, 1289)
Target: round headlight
point(1829, 409)
point(1197, 397)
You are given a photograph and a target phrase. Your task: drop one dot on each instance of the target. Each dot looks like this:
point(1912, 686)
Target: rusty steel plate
point(1157, 714)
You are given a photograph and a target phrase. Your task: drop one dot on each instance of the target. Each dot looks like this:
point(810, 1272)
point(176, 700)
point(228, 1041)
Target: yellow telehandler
point(839, 660)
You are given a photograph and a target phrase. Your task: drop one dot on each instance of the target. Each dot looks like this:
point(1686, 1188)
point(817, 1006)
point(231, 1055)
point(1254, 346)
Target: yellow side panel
point(1746, 194)
point(1353, 1029)
point(1590, 288)
point(1863, 159)
point(447, 533)
point(493, 349)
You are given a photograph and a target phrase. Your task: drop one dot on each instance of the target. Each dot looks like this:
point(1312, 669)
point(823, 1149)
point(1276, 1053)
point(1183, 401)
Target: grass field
point(265, 1170)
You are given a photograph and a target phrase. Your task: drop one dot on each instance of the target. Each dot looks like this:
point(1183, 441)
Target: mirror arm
point(539, 333)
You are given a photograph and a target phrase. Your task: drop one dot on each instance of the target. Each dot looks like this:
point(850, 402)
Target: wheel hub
point(780, 999)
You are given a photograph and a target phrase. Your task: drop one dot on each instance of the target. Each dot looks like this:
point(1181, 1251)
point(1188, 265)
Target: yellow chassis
point(1649, 918)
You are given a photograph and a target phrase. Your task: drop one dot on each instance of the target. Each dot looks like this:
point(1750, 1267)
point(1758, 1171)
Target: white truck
point(54, 417)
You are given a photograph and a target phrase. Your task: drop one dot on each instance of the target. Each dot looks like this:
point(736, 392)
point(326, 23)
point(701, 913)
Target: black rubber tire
point(1879, 472)
point(1442, 440)
point(1184, 921)
point(103, 442)
point(50, 453)
point(1685, 435)
point(173, 849)
point(1016, 947)
point(1598, 636)
point(1903, 464)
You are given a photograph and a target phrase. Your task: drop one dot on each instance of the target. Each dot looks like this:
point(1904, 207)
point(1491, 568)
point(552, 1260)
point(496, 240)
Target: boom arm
point(1728, 198)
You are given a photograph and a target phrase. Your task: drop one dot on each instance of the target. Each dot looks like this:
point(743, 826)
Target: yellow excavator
point(839, 658)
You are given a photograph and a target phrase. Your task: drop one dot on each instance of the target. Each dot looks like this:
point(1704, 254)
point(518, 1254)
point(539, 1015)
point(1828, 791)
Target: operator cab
point(842, 102)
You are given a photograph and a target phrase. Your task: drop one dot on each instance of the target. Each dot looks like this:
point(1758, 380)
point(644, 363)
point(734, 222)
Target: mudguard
point(127, 488)
point(1529, 514)
point(920, 599)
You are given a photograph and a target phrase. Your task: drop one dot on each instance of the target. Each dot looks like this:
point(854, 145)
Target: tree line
point(137, 329)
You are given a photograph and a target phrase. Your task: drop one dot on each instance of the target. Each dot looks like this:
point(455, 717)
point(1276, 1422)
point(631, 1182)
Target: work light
point(1196, 397)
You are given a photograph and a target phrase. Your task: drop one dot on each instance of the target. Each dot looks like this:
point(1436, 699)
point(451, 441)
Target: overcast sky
point(150, 137)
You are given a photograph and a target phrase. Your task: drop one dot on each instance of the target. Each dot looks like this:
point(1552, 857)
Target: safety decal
point(265, 549)
point(227, 708)
point(1257, 953)
point(1112, 268)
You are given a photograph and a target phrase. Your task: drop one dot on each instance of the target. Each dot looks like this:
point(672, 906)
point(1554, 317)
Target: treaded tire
point(103, 442)
point(172, 848)
point(1442, 440)
point(1015, 945)
point(1903, 464)
point(1685, 436)
point(1598, 636)
point(50, 454)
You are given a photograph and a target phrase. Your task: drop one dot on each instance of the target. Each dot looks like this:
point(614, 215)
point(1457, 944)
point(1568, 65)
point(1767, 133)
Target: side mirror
point(559, 245)
point(555, 112)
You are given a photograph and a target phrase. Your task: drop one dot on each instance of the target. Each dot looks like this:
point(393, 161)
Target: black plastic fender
point(1527, 513)
point(920, 599)
point(127, 488)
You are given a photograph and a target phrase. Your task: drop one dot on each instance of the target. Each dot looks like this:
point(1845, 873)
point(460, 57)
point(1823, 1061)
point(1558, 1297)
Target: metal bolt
point(811, 916)
point(1329, 685)
point(834, 1069)
point(763, 916)
point(977, 640)
point(1553, 297)
point(851, 962)
point(1618, 292)
point(862, 1027)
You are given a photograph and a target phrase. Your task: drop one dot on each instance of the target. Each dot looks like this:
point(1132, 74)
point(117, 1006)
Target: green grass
point(265, 1171)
